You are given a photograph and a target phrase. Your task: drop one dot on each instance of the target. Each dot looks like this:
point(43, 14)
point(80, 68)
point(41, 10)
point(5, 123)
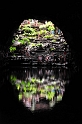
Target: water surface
point(36, 93)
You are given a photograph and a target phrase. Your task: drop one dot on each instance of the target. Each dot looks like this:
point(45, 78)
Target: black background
point(67, 16)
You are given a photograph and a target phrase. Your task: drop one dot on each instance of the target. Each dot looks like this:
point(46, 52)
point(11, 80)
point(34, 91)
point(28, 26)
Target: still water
point(27, 91)
point(40, 88)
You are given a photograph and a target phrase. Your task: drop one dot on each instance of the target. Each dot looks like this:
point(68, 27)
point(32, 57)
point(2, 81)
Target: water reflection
point(40, 88)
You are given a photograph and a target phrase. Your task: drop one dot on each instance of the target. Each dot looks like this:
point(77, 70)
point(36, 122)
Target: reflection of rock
point(41, 106)
point(53, 102)
point(34, 92)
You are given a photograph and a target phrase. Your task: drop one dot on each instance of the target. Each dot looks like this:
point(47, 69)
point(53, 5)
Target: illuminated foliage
point(31, 86)
point(30, 32)
point(13, 78)
point(12, 49)
point(48, 36)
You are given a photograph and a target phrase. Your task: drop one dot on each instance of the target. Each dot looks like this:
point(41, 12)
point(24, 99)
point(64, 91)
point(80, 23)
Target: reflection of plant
point(50, 95)
point(31, 86)
point(33, 80)
point(59, 97)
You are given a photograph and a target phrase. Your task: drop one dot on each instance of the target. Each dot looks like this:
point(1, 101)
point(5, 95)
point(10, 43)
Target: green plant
point(13, 41)
point(28, 29)
point(65, 43)
point(25, 89)
point(52, 49)
point(39, 44)
point(12, 48)
point(22, 41)
point(23, 83)
point(50, 28)
point(42, 26)
point(32, 44)
point(18, 86)
point(49, 23)
point(48, 36)
point(33, 80)
point(53, 40)
point(13, 78)
point(26, 40)
point(20, 96)
point(42, 32)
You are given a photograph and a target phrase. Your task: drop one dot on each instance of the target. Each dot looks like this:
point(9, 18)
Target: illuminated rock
point(40, 38)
